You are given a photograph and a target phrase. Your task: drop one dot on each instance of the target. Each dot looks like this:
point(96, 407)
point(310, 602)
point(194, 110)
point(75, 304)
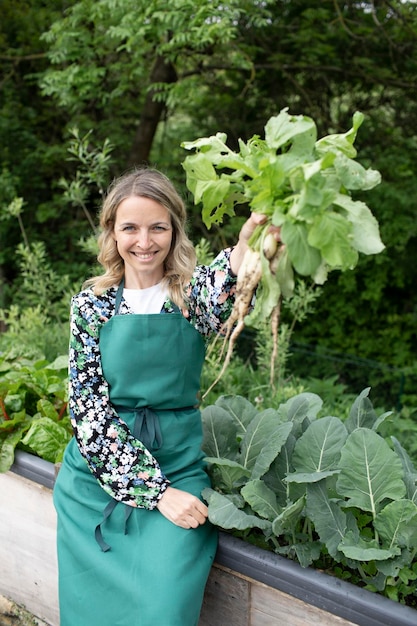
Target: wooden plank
point(28, 562)
point(226, 600)
point(270, 607)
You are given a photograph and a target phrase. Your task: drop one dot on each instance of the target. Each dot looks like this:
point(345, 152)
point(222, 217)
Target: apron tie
point(106, 514)
point(147, 428)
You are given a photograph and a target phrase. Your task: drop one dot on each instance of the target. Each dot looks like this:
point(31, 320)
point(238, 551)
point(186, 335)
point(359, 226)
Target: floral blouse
point(125, 469)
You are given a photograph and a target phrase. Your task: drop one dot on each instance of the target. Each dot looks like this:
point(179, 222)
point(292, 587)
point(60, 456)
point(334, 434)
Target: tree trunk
point(162, 72)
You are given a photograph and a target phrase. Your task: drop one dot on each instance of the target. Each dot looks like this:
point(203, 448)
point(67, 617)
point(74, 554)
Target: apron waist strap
point(147, 428)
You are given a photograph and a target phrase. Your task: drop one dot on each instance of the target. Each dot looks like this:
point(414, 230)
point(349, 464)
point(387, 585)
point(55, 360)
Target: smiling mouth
point(144, 256)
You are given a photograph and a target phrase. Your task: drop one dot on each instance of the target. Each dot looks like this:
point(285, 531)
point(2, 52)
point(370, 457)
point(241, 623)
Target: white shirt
point(148, 300)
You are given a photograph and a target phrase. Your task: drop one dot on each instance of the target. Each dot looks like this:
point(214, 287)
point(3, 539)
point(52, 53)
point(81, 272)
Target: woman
point(134, 544)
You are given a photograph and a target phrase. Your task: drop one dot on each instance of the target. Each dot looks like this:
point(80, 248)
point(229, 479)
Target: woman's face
point(143, 235)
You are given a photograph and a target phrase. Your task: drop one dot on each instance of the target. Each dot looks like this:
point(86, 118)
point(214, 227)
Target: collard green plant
point(317, 488)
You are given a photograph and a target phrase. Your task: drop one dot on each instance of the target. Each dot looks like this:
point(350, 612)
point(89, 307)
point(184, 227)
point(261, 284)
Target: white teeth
point(143, 256)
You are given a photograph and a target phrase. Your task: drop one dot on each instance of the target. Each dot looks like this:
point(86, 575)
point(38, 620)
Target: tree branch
point(26, 57)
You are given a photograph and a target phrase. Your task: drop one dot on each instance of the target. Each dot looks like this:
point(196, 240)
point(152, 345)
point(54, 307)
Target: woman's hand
point(247, 230)
point(182, 508)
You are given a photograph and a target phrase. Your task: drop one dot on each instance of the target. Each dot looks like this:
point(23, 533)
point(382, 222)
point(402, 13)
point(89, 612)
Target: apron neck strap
point(119, 296)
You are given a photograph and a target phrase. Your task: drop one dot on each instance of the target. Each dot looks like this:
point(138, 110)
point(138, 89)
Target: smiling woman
point(132, 524)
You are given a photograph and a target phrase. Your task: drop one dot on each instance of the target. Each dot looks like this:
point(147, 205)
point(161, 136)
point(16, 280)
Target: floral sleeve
point(211, 294)
point(123, 466)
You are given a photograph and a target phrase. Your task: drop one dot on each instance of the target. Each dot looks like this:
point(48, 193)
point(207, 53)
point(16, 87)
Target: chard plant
point(33, 409)
point(316, 489)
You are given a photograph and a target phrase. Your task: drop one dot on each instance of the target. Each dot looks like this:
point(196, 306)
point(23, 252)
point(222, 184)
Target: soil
point(13, 615)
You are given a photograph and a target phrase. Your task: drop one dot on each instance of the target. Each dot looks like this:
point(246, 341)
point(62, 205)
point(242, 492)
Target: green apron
point(148, 571)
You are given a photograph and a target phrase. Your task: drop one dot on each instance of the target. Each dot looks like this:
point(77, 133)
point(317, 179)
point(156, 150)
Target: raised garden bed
point(248, 586)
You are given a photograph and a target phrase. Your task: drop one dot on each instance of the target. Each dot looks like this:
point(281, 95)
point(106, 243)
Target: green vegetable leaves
point(33, 409)
point(314, 486)
point(302, 184)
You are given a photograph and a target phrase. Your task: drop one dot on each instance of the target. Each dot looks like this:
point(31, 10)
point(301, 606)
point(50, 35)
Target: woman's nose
point(143, 240)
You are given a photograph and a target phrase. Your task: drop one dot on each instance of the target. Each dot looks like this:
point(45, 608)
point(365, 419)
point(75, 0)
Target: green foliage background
point(147, 76)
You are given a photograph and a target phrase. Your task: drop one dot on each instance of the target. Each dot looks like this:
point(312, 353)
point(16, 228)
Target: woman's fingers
point(257, 219)
point(182, 508)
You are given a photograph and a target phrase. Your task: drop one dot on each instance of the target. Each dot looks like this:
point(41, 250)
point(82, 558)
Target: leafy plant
point(92, 172)
point(318, 489)
point(33, 408)
point(302, 185)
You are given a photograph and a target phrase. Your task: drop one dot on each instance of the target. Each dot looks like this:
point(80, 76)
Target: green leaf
point(303, 405)
point(47, 409)
point(47, 439)
point(15, 402)
point(271, 449)
point(18, 418)
point(307, 552)
point(227, 473)
point(330, 233)
point(370, 471)
point(396, 524)
point(219, 432)
point(283, 128)
point(318, 449)
point(225, 514)
point(310, 477)
point(342, 142)
point(200, 172)
point(280, 467)
point(258, 434)
point(360, 550)
point(410, 474)
point(300, 410)
point(261, 499)
point(328, 518)
point(353, 175)
point(395, 567)
point(215, 145)
point(284, 274)
point(362, 414)
point(60, 363)
point(267, 295)
point(288, 519)
point(305, 258)
point(365, 235)
point(8, 445)
point(241, 410)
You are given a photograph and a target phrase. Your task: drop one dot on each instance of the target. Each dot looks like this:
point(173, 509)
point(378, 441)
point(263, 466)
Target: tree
point(135, 60)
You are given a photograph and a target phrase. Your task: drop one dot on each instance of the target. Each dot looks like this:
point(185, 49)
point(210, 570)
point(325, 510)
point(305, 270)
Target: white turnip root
point(275, 315)
point(248, 277)
point(269, 246)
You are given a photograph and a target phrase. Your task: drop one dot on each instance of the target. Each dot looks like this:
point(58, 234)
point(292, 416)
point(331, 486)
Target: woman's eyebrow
point(157, 223)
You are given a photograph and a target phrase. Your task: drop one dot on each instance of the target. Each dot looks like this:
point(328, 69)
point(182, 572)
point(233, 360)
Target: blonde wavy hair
point(180, 262)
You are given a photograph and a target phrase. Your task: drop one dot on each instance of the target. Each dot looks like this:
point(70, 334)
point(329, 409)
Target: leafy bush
point(322, 490)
